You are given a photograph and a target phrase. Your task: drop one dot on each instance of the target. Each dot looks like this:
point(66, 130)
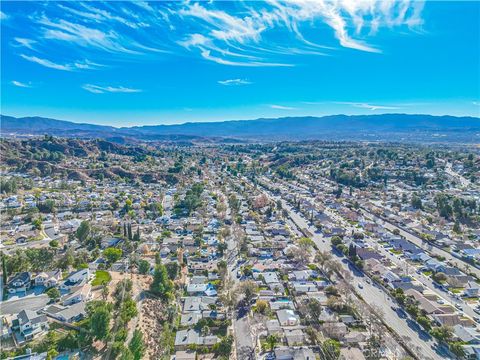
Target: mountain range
point(385, 127)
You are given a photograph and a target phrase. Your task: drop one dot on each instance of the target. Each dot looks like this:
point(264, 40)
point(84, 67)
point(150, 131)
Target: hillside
point(398, 127)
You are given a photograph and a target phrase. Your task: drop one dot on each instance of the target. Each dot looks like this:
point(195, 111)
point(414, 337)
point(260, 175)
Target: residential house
point(191, 337)
point(19, 283)
point(76, 278)
point(289, 353)
point(472, 289)
point(48, 279)
point(287, 317)
point(77, 294)
point(30, 324)
point(68, 314)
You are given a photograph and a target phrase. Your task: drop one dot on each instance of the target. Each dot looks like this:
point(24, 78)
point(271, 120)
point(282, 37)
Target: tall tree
point(137, 346)
point(161, 285)
point(83, 231)
point(4, 270)
point(130, 237)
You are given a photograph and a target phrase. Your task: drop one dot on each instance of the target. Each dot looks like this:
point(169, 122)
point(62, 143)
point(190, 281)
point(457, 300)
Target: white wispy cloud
point(281, 107)
point(369, 106)
point(96, 89)
point(3, 16)
point(78, 65)
point(21, 84)
point(28, 43)
point(245, 30)
point(234, 82)
point(239, 35)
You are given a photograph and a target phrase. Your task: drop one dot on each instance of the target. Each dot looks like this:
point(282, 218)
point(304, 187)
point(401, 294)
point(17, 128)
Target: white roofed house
point(201, 289)
point(472, 289)
point(191, 337)
point(287, 317)
point(67, 314)
point(48, 279)
point(30, 324)
point(76, 278)
point(77, 294)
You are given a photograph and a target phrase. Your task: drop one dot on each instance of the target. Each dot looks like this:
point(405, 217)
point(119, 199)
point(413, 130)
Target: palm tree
point(105, 290)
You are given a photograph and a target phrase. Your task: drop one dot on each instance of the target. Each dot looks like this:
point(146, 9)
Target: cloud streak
point(234, 82)
point(369, 106)
point(21, 84)
point(270, 33)
point(96, 89)
point(78, 65)
point(281, 107)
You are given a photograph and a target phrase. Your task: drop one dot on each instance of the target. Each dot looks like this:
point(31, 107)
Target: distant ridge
point(398, 127)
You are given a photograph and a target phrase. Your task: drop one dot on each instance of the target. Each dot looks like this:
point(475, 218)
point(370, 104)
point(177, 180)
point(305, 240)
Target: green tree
point(456, 347)
point(161, 284)
point(330, 349)
point(37, 223)
point(457, 228)
point(272, 341)
point(416, 202)
point(112, 254)
point(128, 310)
point(53, 244)
point(53, 293)
point(424, 322)
point(4, 269)
point(137, 346)
point(100, 322)
point(83, 231)
point(336, 240)
point(442, 333)
point(143, 267)
point(224, 347)
point(172, 270)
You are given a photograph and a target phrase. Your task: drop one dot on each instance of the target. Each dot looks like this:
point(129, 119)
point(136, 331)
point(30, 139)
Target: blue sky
point(158, 62)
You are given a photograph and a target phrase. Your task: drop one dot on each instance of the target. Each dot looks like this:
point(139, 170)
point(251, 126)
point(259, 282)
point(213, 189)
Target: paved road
point(241, 326)
point(409, 269)
point(407, 329)
point(425, 245)
point(31, 302)
point(457, 262)
point(462, 180)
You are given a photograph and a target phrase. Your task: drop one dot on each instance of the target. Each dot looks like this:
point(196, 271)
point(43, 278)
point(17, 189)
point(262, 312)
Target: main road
point(422, 344)
point(458, 263)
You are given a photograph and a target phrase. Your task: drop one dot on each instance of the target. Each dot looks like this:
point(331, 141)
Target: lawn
point(101, 276)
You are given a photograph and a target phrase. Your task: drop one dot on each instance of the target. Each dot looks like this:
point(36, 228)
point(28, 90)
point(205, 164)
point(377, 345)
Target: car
point(270, 356)
point(360, 285)
point(368, 281)
point(441, 301)
point(459, 306)
point(477, 319)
